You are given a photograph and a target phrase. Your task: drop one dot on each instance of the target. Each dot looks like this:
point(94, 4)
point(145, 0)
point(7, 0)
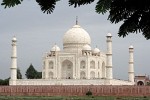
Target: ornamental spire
point(76, 20)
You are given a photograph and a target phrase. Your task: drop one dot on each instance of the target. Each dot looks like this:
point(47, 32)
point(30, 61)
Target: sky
point(37, 32)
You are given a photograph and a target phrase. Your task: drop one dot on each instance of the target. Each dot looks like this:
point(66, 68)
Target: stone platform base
point(69, 82)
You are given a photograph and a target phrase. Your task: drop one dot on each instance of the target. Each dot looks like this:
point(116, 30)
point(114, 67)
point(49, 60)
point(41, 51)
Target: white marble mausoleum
point(76, 64)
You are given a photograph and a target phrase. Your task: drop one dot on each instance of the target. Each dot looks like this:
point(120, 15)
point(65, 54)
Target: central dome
point(76, 35)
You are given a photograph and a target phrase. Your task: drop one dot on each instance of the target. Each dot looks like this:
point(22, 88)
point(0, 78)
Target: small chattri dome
point(96, 50)
point(109, 34)
point(55, 48)
point(131, 46)
point(86, 47)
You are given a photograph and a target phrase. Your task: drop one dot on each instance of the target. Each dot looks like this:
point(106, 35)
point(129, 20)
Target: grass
point(71, 98)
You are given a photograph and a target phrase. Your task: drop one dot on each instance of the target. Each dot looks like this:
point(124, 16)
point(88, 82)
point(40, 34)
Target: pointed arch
point(51, 65)
point(92, 64)
point(82, 64)
point(92, 75)
point(67, 69)
point(82, 75)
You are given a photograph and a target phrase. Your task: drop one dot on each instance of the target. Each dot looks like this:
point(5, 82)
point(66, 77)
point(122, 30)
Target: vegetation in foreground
point(135, 18)
point(72, 98)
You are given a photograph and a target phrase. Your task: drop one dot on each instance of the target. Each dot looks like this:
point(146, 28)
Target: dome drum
point(70, 47)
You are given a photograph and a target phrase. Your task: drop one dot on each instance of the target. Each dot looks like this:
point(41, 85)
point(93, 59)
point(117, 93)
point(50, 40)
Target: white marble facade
point(76, 64)
point(77, 60)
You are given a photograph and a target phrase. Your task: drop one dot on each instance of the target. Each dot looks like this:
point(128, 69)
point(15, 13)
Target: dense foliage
point(32, 73)
point(135, 14)
point(89, 93)
point(19, 75)
point(4, 82)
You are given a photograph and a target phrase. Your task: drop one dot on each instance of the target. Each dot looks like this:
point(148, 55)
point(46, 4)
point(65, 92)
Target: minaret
point(131, 64)
point(109, 74)
point(14, 62)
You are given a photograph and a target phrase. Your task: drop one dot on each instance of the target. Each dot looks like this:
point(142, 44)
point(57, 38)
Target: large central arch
point(67, 70)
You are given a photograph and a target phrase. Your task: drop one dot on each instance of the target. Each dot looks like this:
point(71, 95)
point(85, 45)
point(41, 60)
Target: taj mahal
point(76, 64)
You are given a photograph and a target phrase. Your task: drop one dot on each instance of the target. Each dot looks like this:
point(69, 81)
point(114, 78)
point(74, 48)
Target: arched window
point(82, 75)
point(92, 75)
point(82, 64)
point(92, 64)
point(51, 65)
point(51, 75)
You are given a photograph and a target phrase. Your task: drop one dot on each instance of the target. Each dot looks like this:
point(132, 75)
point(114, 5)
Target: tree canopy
point(4, 82)
point(19, 75)
point(135, 14)
point(32, 73)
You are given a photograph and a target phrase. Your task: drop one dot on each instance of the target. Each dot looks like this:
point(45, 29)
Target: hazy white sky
point(37, 33)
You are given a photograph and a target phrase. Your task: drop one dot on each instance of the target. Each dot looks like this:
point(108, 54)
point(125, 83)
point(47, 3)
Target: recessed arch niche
point(67, 69)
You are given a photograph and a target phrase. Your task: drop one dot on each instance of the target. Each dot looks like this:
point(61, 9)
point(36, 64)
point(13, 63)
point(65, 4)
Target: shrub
point(144, 96)
point(89, 93)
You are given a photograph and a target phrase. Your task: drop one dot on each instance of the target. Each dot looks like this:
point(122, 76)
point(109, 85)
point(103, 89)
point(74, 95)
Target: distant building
point(142, 80)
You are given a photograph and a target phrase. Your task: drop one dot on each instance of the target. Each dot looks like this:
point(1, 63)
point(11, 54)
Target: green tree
point(89, 93)
point(19, 75)
point(135, 14)
point(39, 75)
point(4, 82)
point(1, 82)
point(32, 73)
